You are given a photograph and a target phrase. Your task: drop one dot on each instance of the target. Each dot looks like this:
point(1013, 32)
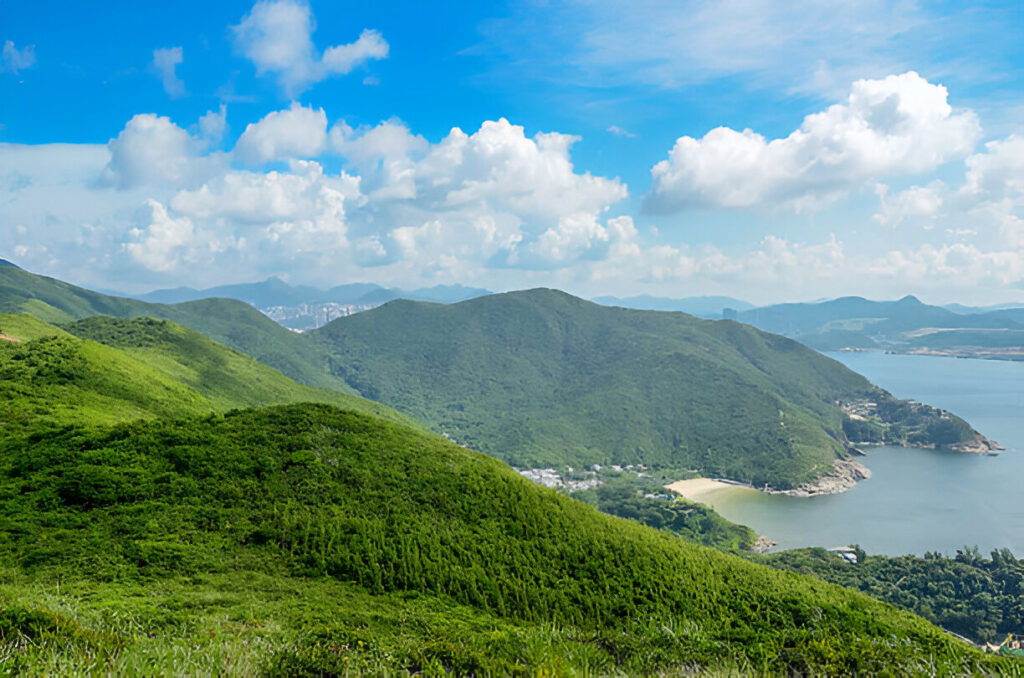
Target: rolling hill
point(228, 321)
point(541, 378)
point(305, 540)
point(105, 370)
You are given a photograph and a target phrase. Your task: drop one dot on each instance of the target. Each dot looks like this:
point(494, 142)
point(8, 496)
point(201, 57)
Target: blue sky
point(771, 151)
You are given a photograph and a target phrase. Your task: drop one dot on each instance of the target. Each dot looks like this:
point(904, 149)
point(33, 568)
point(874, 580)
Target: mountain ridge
point(540, 377)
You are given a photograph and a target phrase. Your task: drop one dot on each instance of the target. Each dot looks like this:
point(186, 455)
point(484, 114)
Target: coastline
point(704, 490)
point(845, 474)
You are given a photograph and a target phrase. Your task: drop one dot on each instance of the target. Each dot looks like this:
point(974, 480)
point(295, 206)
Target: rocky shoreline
point(761, 545)
point(980, 445)
point(845, 474)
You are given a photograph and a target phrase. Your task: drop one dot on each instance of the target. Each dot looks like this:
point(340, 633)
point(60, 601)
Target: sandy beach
point(704, 490)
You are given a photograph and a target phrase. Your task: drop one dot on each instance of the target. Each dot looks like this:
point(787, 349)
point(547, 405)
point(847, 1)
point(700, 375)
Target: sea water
point(916, 500)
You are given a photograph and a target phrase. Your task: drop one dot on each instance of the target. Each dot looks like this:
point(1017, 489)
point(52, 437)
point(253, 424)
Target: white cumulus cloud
point(900, 125)
point(296, 132)
point(276, 35)
point(916, 201)
point(153, 150)
point(163, 242)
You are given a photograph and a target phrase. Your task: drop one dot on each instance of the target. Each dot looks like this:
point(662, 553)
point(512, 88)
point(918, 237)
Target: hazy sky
point(771, 151)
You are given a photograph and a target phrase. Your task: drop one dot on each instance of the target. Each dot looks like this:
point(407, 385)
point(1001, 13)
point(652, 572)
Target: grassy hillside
point(542, 378)
point(106, 370)
point(304, 540)
point(233, 323)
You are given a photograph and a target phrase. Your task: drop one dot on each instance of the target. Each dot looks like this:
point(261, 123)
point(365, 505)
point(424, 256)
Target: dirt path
point(7, 337)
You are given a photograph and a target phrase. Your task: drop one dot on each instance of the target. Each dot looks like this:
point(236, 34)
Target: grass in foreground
point(305, 529)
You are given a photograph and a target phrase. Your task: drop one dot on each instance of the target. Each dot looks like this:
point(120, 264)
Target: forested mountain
point(305, 540)
point(542, 378)
point(151, 528)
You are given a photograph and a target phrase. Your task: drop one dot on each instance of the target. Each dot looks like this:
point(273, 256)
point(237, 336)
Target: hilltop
point(105, 370)
point(228, 321)
point(541, 378)
point(302, 539)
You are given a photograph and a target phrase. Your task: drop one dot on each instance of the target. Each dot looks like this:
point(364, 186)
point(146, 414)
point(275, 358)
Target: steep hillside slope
point(442, 558)
point(542, 378)
point(110, 370)
point(230, 322)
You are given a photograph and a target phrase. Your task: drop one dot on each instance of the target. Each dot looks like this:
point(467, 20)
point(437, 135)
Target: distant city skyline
point(744, 148)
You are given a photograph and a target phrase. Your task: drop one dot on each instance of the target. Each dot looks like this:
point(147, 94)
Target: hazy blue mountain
point(445, 294)
point(903, 325)
point(704, 307)
point(276, 292)
point(967, 310)
point(4, 262)
point(270, 292)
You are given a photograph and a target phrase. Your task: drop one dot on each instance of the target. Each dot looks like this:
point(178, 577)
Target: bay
point(916, 500)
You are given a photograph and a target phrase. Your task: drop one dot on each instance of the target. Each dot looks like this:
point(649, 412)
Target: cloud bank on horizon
point(884, 186)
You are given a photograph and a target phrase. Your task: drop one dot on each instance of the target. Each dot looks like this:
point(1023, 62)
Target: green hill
point(541, 378)
point(304, 540)
point(230, 322)
point(106, 370)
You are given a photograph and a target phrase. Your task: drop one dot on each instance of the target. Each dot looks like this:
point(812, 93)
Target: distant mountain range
point(303, 307)
point(906, 326)
point(702, 307)
point(848, 323)
point(276, 292)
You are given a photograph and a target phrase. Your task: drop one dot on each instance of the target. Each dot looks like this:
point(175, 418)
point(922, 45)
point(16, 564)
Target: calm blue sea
point(917, 500)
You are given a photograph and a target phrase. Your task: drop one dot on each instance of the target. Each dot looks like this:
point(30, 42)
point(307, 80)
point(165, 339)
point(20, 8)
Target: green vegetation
point(644, 499)
point(689, 520)
point(541, 378)
point(977, 597)
point(138, 368)
point(905, 422)
point(537, 378)
point(301, 540)
point(230, 322)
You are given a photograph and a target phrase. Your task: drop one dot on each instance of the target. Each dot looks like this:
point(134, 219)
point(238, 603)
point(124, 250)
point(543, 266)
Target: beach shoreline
point(845, 475)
